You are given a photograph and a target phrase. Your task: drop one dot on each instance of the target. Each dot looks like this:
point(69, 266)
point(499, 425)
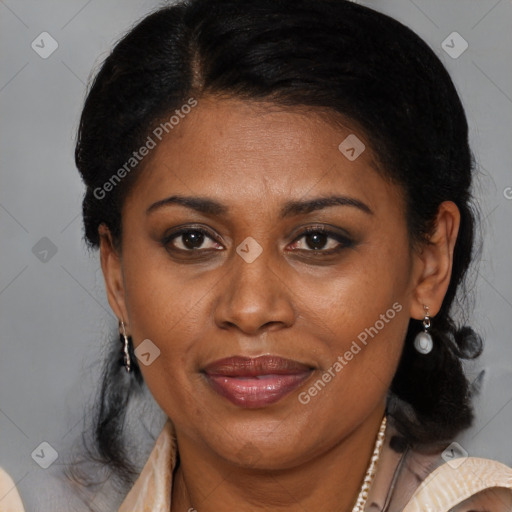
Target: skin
point(201, 307)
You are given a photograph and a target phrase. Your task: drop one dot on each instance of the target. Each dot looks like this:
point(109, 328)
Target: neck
point(330, 482)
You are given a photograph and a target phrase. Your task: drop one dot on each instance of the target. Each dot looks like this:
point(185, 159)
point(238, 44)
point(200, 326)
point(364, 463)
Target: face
point(237, 274)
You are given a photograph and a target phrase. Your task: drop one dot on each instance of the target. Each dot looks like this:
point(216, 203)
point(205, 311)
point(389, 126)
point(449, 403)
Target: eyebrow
point(211, 207)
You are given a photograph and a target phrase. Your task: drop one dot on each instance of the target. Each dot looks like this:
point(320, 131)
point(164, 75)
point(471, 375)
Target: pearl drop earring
point(423, 342)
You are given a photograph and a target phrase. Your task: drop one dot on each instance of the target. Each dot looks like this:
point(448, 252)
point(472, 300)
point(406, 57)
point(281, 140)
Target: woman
point(281, 195)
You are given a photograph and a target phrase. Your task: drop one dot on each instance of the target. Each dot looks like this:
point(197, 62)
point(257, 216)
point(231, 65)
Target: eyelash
point(344, 241)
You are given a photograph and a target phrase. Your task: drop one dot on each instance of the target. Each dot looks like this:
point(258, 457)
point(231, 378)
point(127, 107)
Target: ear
point(111, 265)
point(433, 262)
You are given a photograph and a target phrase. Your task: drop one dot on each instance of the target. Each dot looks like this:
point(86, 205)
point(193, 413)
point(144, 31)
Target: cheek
point(363, 293)
point(366, 319)
point(364, 345)
point(159, 297)
point(164, 309)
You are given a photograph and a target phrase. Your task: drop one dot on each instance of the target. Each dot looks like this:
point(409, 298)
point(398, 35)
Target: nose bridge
point(250, 272)
point(253, 294)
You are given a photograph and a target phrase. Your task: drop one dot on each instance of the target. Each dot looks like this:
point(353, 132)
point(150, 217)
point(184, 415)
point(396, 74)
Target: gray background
point(53, 310)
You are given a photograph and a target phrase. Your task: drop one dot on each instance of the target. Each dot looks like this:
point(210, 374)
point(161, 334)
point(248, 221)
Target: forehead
point(246, 152)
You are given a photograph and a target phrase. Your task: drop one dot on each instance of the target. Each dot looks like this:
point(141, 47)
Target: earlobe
point(111, 266)
point(434, 262)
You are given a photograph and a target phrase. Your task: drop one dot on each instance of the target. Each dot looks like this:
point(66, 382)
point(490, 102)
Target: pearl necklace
point(370, 472)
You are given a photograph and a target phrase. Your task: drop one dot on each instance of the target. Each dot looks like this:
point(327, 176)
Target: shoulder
point(471, 485)
point(10, 500)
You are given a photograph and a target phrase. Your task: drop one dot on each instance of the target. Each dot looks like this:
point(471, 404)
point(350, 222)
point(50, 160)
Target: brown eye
point(189, 240)
point(316, 241)
point(321, 240)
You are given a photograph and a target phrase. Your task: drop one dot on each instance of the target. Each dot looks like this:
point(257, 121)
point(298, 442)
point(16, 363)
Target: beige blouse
point(405, 482)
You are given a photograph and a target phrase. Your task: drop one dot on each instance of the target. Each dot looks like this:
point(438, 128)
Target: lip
point(255, 382)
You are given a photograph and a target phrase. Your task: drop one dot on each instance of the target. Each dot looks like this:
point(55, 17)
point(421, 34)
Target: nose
point(253, 296)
